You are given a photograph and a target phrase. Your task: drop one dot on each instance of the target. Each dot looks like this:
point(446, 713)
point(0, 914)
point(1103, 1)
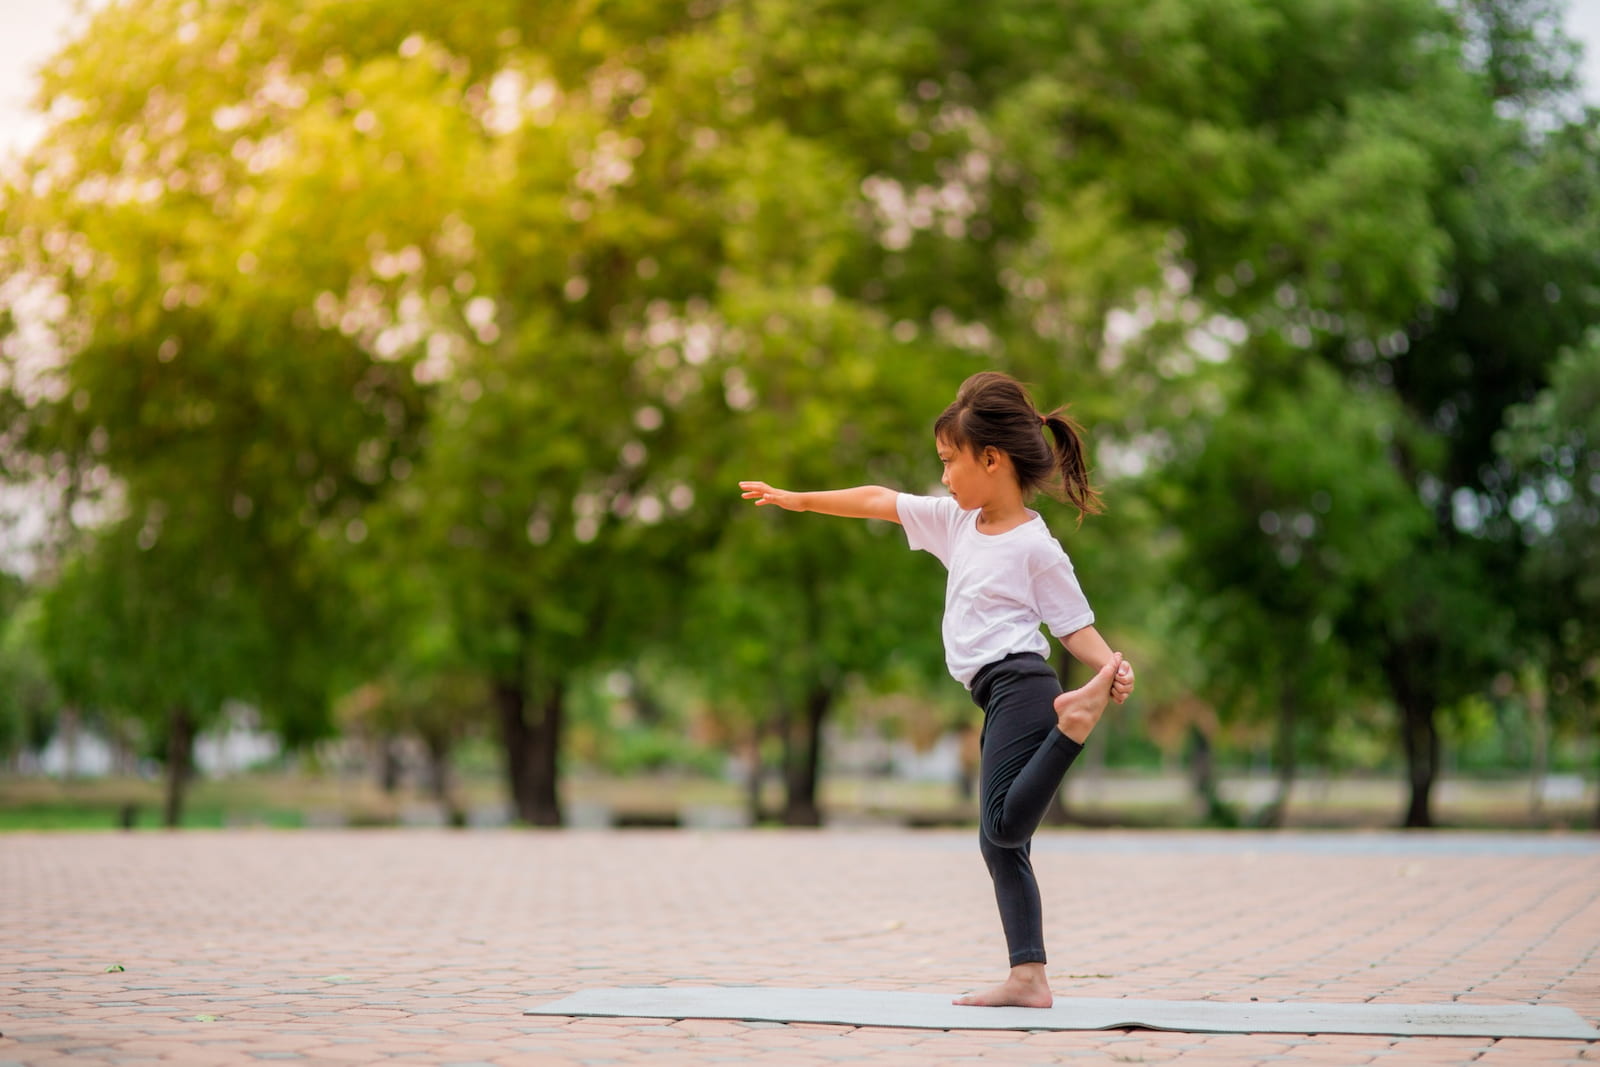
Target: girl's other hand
point(764, 494)
point(1122, 684)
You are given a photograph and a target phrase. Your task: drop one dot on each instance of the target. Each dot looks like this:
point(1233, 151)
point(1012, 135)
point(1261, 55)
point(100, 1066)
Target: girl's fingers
point(760, 492)
point(1122, 685)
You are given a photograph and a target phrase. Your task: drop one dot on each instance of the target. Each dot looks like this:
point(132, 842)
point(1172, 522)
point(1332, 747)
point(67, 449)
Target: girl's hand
point(1122, 684)
point(764, 494)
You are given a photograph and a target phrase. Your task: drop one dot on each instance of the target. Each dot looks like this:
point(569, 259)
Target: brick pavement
point(425, 946)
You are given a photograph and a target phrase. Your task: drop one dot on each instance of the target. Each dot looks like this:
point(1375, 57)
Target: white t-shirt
point(1001, 586)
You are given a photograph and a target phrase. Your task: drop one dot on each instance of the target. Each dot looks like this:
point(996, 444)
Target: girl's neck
point(1001, 515)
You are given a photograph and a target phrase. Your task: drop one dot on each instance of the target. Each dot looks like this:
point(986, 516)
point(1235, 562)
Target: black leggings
point(1024, 756)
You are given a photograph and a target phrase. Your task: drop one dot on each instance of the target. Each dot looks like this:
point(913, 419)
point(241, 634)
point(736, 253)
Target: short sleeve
point(1059, 598)
point(929, 522)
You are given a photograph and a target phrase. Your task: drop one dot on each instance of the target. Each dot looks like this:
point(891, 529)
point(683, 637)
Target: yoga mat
point(933, 1011)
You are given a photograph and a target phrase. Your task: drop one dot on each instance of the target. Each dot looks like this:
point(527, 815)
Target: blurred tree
point(1365, 202)
point(538, 514)
point(521, 526)
point(659, 258)
point(1553, 444)
point(1293, 519)
point(218, 395)
point(1187, 218)
point(1522, 284)
point(790, 608)
point(28, 700)
point(151, 633)
point(436, 709)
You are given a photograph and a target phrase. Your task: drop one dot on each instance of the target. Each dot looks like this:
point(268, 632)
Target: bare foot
point(1078, 711)
point(1026, 987)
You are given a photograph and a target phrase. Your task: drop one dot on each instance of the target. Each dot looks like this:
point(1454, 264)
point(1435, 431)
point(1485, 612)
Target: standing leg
point(1016, 892)
point(1025, 754)
point(1018, 756)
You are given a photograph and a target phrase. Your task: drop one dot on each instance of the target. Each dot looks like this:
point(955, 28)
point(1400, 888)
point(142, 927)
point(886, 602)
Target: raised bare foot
point(1077, 711)
point(1025, 988)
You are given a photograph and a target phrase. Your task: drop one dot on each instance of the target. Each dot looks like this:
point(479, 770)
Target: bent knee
point(1001, 836)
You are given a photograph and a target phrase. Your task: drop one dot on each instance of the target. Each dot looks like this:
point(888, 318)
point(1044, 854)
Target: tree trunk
point(1422, 758)
point(531, 750)
point(389, 765)
point(1418, 734)
point(69, 743)
point(1277, 810)
point(803, 762)
point(971, 757)
point(180, 752)
point(1203, 773)
point(752, 783)
point(1539, 728)
point(532, 743)
point(544, 758)
point(438, 747)
point(508, 701)
point(124, 758)
point(758, 774)
point(651, 712)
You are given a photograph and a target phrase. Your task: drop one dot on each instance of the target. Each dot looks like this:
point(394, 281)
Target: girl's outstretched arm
point(862, 502)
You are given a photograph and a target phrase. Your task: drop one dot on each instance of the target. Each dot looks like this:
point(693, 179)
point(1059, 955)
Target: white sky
point(31, 29)
point(1583, 23)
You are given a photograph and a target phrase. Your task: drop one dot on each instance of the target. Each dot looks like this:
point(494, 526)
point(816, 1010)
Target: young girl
point(1007, 576)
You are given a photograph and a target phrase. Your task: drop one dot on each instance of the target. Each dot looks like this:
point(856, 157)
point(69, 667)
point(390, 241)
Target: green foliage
point(28, 698)
point(1553, 445)
point(143, 630)
point(107, 815)
point(1294, 520)
point(636, 751)
point(217, 433)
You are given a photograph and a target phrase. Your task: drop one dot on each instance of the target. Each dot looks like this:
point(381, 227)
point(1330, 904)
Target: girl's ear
point(991, 456)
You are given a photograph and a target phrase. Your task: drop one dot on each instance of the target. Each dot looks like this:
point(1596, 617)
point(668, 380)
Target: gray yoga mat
point(932, 1011)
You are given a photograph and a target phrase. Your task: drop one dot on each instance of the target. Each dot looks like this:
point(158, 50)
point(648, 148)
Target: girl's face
point(969, 478)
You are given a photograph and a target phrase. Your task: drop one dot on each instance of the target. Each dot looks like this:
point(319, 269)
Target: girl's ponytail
point(1073, 463)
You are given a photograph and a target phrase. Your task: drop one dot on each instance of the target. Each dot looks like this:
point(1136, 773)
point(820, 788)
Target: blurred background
point(376, 378)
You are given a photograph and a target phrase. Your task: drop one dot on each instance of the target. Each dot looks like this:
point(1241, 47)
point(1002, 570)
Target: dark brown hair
point(993, 410)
